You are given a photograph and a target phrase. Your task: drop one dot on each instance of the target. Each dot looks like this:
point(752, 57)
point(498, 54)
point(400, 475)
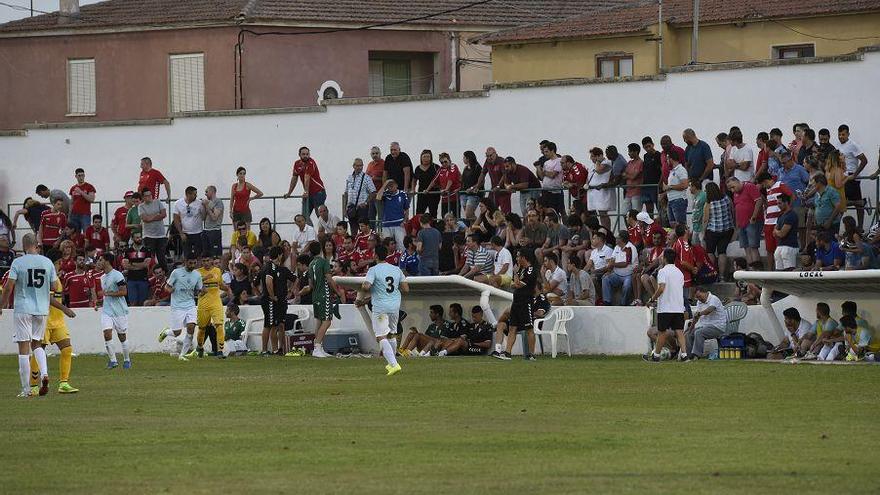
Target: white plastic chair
point(736, 311)
point(561, 317)
point(302, 314)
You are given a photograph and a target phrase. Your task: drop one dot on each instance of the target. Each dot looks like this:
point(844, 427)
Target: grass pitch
point(463, 425)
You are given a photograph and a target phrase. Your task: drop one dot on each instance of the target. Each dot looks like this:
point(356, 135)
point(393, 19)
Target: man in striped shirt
point(771, 190)
point(478, 260)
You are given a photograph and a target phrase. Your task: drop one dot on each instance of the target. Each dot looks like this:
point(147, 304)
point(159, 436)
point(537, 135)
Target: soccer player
point(233, 330)
point(670, 308)
point(798, 340)
point(454, 338)
point(385, 283)
point(425, 341)
point(479, 337)
point(185, 283)
point(56, 333)
point(114, 315)
point(209, 314)
point(274, 279)
point(523, 285)
point(321, 280)
point(30, 278)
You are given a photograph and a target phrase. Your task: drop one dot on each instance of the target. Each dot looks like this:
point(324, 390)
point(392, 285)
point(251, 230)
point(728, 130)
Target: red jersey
point(762, 161)
point(309, 168)
point(3, 284)
point(68, 266)
point(577, 177)
point(53, 223)
point(375, 169)
point(98, 238)
point(684, 253)
point(78, 288)
point(338, 240)
point(495, 171)
point(360, 255)
point(158, 292)
point(361, 240)
point(79, 241)
point(449, 176)
point(771, 208)
point(95, 276)
point(647, 235)
point(151, 179)
point(79, 205)
point(413, 226)
point(118, 223)
point(703, 258)
point(656, 253)
point(635, 235)
point(393, 258)
point(343, 256)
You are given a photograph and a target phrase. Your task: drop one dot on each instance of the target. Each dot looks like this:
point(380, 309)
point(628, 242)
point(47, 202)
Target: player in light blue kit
point(185, 284)
point(31, 277)
point(114, 314)
point(385, 283)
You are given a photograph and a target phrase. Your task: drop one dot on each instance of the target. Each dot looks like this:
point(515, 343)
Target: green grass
point(462, 425)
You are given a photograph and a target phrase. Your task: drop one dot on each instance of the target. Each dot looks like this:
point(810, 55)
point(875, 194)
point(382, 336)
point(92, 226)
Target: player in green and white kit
point(321, 279)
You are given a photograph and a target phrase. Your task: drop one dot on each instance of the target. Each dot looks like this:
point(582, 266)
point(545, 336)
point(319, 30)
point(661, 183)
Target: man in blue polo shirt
point(697, 156)
point(828, 253)
point(395, 210)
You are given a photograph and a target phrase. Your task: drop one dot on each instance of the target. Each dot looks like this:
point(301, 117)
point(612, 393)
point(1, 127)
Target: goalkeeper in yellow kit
point(210, 311)
point(56, 333)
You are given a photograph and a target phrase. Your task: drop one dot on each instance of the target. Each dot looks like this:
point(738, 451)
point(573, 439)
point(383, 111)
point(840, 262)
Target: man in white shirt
point(796, 341)
point(502, 274)
point(550, 175)
point(303, 233)
point(741, 159)
point(710, 322)
point(326, 222)
point(669, 297)
point(555, 279)
point(599, 262)
point(189, 218)
point(855, 162)
point(624, 259)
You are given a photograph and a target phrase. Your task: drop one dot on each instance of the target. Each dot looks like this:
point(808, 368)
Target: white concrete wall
point(201, 151)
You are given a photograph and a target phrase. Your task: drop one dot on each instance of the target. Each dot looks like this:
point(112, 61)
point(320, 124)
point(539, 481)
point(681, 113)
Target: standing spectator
point(52, 222)
point(314, 194)
point(213, 235)
point(771, 189)
point(785, 232)
point(121, 232)
point(7, 255)
point(550, 175)
point(829, 206)
point(742, 158)
point(428, 246)
point(685, 257)
point(395, 210)
point(241, 197)
point(600, 199)
point(96, 235)
point(137, 259)
point(825, 147)
point(376, 172)
point(359, 193)
point(189, 220)
point(670, 308)
point(152, 214)
point(797, 179)
point(855, 164)
point(625, 257)
point(718, 225)
point(574, 177)
point(448, 181)
point(303, 234)
point(698, 156)
point(808, 146)
point(518, 178)
point(676, 187)
point(747, 205)
point(151, 179)
point(723, 142)
point(634, 178)
point(326, 222)
point(710, 322)
point(495, 167)
point(423, 183)
point(774, 149)
point(470, 184)
point(797, 142)
point(699, 195)
point(82, 195)
point(133, 217)
point(399, 167)
point(652, 173)
point(618, 167)
point(763, 153)
point(44, 192)
point(267, 237)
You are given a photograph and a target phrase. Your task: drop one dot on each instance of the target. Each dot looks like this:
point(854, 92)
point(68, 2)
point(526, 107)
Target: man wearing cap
point(648, 227)
point(119, 227)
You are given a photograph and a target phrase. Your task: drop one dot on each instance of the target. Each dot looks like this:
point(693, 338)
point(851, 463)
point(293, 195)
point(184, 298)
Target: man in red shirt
point(96, 235)
point(648, 227)
point(668, 147)
point(763, 153)
point(82, 195)
point(747, 206)
point(79, 286)
point(121, 232)
point(362, 239)
point(159, 295)
point(574, 176)
point(52, 222)
point(306, 170)
point(151, 179)
point(448, 179)
point(494, 166)
point(376, 167)
point(685, 258)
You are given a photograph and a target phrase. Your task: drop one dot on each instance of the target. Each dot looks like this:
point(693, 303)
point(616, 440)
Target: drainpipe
point(695, 38)
point(659, 36)
point(455, 84)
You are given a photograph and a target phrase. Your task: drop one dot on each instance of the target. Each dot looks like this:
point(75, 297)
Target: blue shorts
point(750, 236)
point(649, 194)
point(466, 200)
point(678, 210)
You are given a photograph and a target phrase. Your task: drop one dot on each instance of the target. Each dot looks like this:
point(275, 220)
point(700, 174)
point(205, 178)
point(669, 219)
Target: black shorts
point(213, 243)
point(520, 315)
point(274, 313)
point(853, 190)
point(670, 321)
point(716, 242)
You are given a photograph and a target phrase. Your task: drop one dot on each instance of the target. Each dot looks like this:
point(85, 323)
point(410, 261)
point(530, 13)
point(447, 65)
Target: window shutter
point(396, 77)
point(376, 78)
point(187, 86)
point(81, 87)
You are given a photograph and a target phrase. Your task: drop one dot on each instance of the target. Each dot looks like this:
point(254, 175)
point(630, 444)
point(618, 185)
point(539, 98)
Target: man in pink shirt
point(633, 174)
point(747, 207)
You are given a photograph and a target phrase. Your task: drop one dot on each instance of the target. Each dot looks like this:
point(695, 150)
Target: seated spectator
point(513, 232)
point(601, 258)
point(502, 267)
point(233, 330)
point(829, 257)
point(393, 257)
point(418, 344)
point(859, 254)
point(268, 237)
point(361, 239)
point(363, 259)
point(327, 222)
point(858, 334)
point(534, 232)
point(555, 280)
point(478, 260)
point(709, 322)
point(648, 277)
point(239, 289)
point(747, 292)
point(409, 261)
point(649, 230)
point(159, 295)
point(96, 235)
point(826, 334)
point(339, 234)
point(241, 231)
point(624, 258)
point(557, 237)
point(579, 238)
point(581, 291)
point(795, 342)
point(303, 234)
point(453, 337)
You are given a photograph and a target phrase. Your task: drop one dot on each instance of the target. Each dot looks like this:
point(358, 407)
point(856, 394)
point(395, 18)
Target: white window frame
point(615, 58)
point(88, 106)
point(198, 88)
point(776, 49)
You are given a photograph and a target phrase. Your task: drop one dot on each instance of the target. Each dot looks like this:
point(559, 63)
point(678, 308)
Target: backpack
point(756, 346)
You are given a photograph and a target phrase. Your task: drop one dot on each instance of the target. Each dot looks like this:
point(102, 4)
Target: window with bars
point(390, 77)
point(794, 51)
point(187, 82)
point(81, 86)
point(614, 66)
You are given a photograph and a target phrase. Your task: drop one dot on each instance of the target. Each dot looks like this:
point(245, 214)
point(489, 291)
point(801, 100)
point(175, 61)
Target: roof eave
point(628, 34)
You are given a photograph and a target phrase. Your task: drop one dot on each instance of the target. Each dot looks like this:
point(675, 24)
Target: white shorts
point(785, 257)
point(235, 346)
point(29, 327)
point(384, 323)
point(180, 318)
point(117, 323)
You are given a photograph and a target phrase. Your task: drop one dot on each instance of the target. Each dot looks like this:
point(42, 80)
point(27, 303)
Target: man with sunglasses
point(189, 218)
